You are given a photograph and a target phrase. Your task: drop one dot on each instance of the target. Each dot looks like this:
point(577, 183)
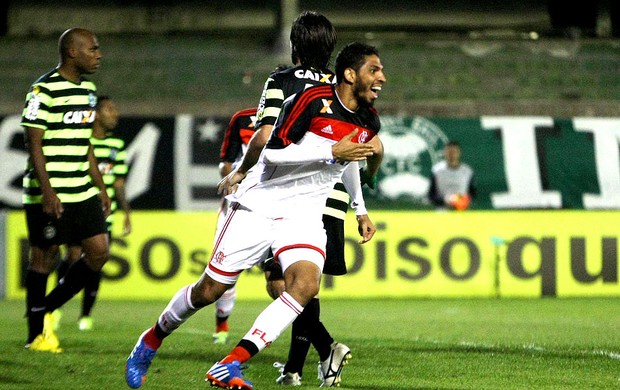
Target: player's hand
point(347, 150)
point(127, 225)
point(228, 185)
point(106, 203)
point(365, 227)
point(52, 205)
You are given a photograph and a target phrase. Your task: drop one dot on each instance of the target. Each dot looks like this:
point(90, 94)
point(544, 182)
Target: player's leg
point(299, 248)
point(333, 356)
point(223, 309)
point(44, 235)
point(88, 227)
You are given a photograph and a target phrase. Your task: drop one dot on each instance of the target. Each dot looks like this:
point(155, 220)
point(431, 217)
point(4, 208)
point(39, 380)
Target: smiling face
point(368, 81)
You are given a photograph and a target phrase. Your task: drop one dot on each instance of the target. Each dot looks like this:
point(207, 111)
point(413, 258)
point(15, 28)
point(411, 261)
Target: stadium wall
point(520, 162)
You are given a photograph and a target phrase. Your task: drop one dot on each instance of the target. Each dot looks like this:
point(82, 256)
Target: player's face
point(369, 80)
point(107, 114)
point(88, 54)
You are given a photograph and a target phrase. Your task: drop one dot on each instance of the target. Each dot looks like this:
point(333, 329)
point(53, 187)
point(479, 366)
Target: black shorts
point(334, 250)
point(79, 221)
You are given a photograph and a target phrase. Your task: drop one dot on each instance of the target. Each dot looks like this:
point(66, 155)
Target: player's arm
point(343, 150)
point(119, 188)
point(228, 184)
point(34, 143)
point(95, 175)
point(369, 172)
point(225, 168)
point(353, 185)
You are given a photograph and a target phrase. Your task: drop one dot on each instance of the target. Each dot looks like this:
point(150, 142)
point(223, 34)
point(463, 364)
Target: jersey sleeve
point(231, 144)
point(36, 110)
point(270, 103)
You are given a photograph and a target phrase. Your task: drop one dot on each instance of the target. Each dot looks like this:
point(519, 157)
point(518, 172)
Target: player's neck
point(346, 98)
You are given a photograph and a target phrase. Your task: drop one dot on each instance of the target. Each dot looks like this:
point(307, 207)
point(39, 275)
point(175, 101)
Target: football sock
point(151, 338)
point(223, 309)
point(71, 284)
point(62, 269)
point(319, 336)
point(221, 324)
point(179, 310)
point(241, 353)
point(300, 337)
point(273, 321)
point(91, 289)
point(36, 285)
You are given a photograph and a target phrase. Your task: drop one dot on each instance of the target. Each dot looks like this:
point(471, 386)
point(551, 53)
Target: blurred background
point(443, 58)
point(530, 89)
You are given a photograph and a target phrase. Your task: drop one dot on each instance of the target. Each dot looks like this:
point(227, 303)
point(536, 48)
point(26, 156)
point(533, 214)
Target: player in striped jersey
point(311, 57)
point(64, 195)
point(278, 208)
point(110, 154)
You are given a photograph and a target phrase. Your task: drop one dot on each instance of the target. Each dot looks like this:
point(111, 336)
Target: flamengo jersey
point(110, 154)
point(65, 111)
point(280, 86)
point(314, 119)
point(237, 135)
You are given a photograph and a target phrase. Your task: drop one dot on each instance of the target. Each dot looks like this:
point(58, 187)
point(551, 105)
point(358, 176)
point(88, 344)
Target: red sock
point(221, 326)
point(238, 353)
point(151, 339)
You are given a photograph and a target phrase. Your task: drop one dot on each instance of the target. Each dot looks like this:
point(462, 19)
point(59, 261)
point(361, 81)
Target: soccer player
point(110, 154)
point(65, 198)
point(236, 138)
point(313, 39)
point(279, 207)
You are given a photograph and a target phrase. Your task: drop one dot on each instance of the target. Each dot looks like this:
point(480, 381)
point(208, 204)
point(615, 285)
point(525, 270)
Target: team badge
point(49, 232)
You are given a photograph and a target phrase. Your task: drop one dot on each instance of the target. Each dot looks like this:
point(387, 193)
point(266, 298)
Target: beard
point(360, 93)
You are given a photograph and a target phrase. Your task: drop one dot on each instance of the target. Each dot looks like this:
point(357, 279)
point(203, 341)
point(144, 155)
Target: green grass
point(396, 344)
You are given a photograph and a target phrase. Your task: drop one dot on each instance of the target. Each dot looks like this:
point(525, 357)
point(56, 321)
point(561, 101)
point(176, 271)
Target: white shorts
point(245, 238)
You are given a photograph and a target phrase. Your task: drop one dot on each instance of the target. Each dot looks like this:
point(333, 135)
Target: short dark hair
point(313, 39)
point(353, 56)
point(101, 99)
point(453, 143)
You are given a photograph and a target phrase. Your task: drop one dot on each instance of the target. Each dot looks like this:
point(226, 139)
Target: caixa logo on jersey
point(79, 116)
point(412, 146)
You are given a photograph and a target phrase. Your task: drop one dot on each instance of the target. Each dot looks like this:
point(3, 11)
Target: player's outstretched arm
point(229, 183)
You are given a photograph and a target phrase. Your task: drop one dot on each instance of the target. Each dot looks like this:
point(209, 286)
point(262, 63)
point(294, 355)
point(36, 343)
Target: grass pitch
point(396, 344)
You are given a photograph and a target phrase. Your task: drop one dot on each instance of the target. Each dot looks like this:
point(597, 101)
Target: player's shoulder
point(245, 113)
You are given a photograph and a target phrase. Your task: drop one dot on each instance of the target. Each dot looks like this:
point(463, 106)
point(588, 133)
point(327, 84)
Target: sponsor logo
point(79, 117)
point(326, 106)
point(327, 129)
point(327, 78)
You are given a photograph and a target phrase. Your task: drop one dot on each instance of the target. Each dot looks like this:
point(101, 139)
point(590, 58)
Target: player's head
point(359, 66)
point(107, 113)
point(79, 48)
point(313, 39)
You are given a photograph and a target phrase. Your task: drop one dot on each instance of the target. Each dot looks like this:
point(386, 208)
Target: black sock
point(320, 337)
point(91, 288)
point(36, 285)
point(300, 337)
point(62, 269)
point(72, 283)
